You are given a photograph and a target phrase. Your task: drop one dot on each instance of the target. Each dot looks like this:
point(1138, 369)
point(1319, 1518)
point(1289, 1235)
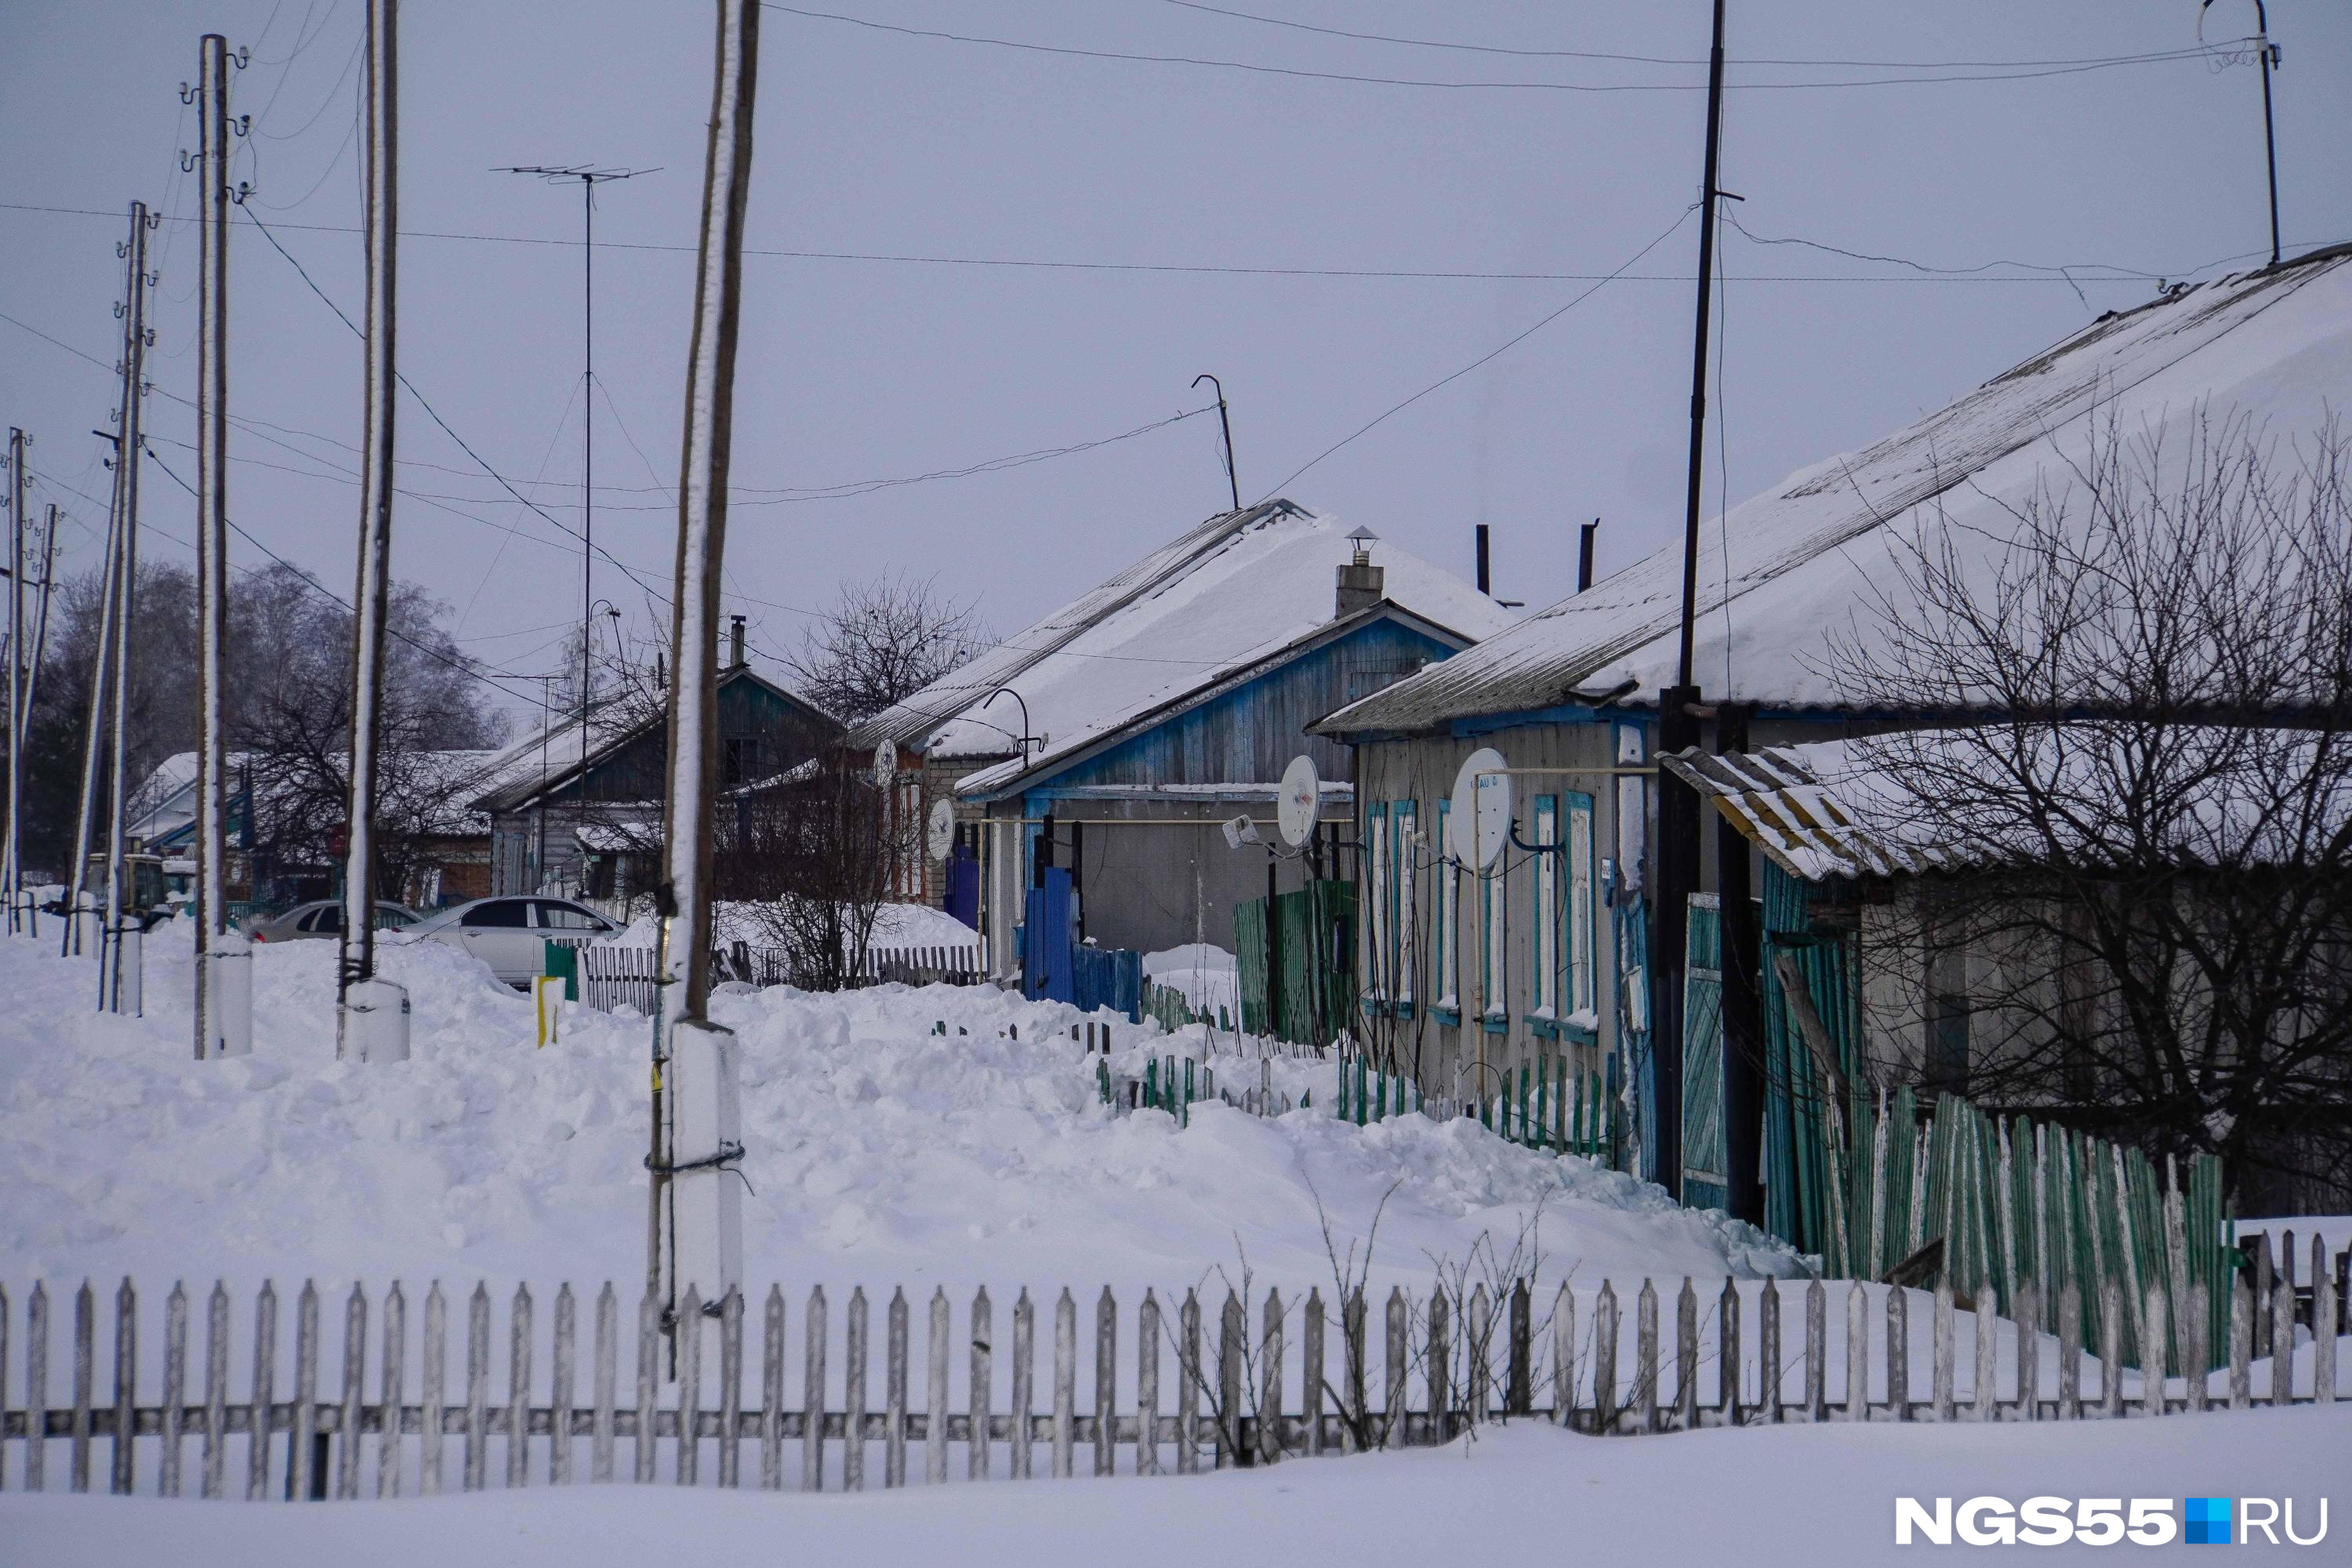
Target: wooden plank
point(1987, 1377)
point(689, 1333)
point(606, 1378)
point(175, 1384)
point(1396, 1413)
point(213, 1458)
point(84, 1372)
point(1943, 1348)
point(2069, 1350)
point(1066, 1376)
point(478, 1388)
point(2027, 1307)
point(2282, 1387)
point(1519, 1396)
point(1477, 1333)
point(935, 1366)
point(1686, 1355)
point(1105, 1380)
point(1148, 1378)
point(125, 1436)
point(2153, 1363)
point(36, 1386)
point(646, 1444)
point(772, 1391)
point(1311, 1374)
point(1768, 1351)
point(730, 1389)
point(894, 1421)
point(1730, 1359)
point(428, 1463)
point(1898, 1352)
point(1232, 1350)
point(391, 1380)
point(2241, 1343)
point(348, 1436)
point(2111, 1347)
point(302, 1480)
point(853, 1391)
point(814, 1334)
point(1857, 1353)
point(1025, 1372)
point(1817, 1350)
point(518, 1323)
point(560, 1386)
point(2325, 1316)
point(1187, 1385)
point(2196, 1342)
point(981, 1385)
point(1271, 1438)
point(1605, 1354)
point(1563, 1356)
point(1645, 1355)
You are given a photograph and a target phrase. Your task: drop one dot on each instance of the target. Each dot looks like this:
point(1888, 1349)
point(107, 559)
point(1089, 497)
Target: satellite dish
point(1479, 824)
point(886, 762)
point(940, 834)
point(1296, 806)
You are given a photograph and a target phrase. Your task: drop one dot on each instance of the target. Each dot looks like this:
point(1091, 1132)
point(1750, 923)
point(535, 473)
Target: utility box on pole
point(705, 1191)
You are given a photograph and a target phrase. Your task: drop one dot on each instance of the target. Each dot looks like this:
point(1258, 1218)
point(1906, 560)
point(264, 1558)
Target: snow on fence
point(1199, 1394)
point(613, 976)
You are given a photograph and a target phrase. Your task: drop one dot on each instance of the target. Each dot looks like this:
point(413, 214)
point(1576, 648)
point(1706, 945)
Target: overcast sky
point(881, 144)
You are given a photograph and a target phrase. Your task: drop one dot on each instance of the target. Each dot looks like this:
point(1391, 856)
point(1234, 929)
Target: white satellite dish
point(940, 835)
point(1479, 824)
point(886, 762)
point(1299, 802)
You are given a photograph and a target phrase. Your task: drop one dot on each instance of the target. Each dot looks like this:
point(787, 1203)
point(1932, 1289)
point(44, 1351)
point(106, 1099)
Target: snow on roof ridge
point(1611, 640)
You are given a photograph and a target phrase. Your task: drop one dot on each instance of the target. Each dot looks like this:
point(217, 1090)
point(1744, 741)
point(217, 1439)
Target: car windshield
point(501, 913)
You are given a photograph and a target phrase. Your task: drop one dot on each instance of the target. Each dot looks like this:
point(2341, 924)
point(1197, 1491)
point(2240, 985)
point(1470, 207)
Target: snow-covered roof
point(1918, 801)
point(1810, 558)
point(1227, 595)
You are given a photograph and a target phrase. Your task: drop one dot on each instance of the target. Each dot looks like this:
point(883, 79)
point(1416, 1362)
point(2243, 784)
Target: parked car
point(324, 916)
point(510, 934)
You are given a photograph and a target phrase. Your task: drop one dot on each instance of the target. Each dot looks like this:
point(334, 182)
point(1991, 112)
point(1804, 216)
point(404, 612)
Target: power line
point(1678, 60)
point(1493, 353)
point(1297, 73)
point(1057, 263)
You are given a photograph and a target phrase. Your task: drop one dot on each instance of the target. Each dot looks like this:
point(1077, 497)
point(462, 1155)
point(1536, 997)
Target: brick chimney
point(1362, 584)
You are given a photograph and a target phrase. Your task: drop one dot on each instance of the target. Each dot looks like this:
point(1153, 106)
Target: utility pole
point(1678, 857)
point(223, 1004)
point(12, 875)
point(79, 914)
point(123, 953)
point(371, 1014)
point(1224, 423)
point(2269, 59)
point(696, 1231)
point(588, 179)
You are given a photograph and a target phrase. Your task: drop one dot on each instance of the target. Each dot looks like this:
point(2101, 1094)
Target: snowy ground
point(880, 1152)
point(1526, 1493)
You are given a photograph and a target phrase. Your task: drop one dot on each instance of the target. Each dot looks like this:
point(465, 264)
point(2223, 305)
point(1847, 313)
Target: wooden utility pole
point(12, 875)
point(372, 593)
point(94, 727)
point(696, 1230)
point(120, 961)
point(212, 544)
point(1678, 847)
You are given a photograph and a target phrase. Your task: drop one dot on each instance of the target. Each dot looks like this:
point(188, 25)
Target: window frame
point(1543, 991)
point(1375, 923)
point(1448, 907)
point(1580, 910)
point(1404, 816)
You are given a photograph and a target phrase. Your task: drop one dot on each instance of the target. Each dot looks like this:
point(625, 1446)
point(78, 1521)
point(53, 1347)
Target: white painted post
point(231, 983)
point(375, 1020)
point(704, 1193)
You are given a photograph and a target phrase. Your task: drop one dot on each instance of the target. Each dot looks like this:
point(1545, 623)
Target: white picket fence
point(1198, 1394)
point(613, 976)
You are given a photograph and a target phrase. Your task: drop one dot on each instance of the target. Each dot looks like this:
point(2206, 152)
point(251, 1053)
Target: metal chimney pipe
point(1485, 576)
point(1584, 555)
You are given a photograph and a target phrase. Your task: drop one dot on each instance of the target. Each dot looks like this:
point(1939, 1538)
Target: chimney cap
point(1361, 536)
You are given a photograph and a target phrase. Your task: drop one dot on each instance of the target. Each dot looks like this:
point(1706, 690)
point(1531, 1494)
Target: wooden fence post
point(1857, 1352)
point(1898, 1351)
point(1943, 1351)
point(935, 1366)
point(1986, 1379)
point(1686, 1355)
point(1396, 1368)
point(1817, 1350)
point(2283, 1342)
point(478, 1390)
point(216, 1448)
point(1563, 1356)
point(689, 1388)
point(2325, 1313)
point(1477, 1334)
point(1232, 1331)
point(1604, 1360)
point(2153, 1361)
point(175, 1383)
point(815, 1330)
point(731, 1390)
point(1645, 1354)
point(1147, 1380)
point(392, 1378)
point(1025, 1353)
point(606, 1378)
point(1767, 1350)
point(1520, 1396)
point(1270, 1434)
point(1105, 1380)
point(2241, 1343)
point(1065, 1381)
point(126, 1388)
point(983, 1384)
point(1188, 1386)
point(519, 1316)
point(434, 1391)
point(2111, 1348)
point(894, 1419)
point(2028, 1310)
point(560, 1389)
point(347, 1460)
point(853, 1393)
point(1730, 1359)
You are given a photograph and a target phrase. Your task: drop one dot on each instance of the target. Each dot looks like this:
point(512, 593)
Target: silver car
point(323, 918)
point(510, 934)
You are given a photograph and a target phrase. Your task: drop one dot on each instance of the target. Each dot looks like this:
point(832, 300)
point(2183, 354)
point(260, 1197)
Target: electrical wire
point(1301, 74)
point(1489, 355)
point(1674, 60)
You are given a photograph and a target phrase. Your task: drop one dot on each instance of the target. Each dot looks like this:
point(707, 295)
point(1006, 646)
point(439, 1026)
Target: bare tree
point(808, 856)
point(882, 641)
point(2146, 917)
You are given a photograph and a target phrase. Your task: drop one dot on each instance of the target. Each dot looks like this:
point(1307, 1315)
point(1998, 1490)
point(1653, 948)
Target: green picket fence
point(1306, 996)
point(1549, 1103)
point(1172, 1010)
point(1173, 1084)
point(2015, 1204)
